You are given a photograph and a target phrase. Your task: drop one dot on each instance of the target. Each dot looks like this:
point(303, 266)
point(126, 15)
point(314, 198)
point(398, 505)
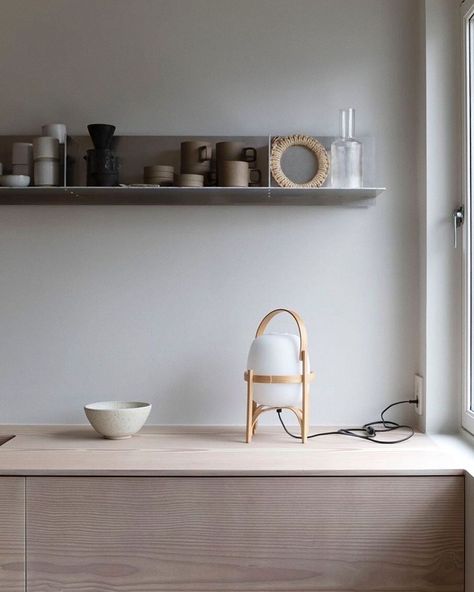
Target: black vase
point(102, 168)
point(101, 134)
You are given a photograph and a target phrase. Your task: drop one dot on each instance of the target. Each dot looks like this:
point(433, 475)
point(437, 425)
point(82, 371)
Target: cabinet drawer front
point(12, 534)
point(139, 534)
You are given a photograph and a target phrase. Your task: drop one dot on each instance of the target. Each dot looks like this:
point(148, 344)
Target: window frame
point(467, 410)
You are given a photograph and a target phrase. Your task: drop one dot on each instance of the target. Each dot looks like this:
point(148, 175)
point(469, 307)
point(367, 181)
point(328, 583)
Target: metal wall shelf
point(136, 151)
point(181, 196)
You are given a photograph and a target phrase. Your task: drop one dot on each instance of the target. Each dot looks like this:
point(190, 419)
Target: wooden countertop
point(213, 451)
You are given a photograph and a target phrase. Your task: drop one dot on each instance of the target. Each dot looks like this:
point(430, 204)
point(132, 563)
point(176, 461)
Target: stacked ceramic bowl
point(159, 174)
point(46, 161)
point(189, 180)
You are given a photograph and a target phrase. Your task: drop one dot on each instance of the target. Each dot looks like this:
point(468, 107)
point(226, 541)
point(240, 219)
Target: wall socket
point(419, 394)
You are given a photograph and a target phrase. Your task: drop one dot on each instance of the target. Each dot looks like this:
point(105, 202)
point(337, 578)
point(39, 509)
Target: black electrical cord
point(368, 431)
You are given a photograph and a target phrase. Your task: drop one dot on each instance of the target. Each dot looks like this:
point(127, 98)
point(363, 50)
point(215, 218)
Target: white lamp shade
point(276, 354)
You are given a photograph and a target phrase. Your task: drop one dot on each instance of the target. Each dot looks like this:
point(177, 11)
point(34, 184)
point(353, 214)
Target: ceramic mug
point(234, 151)
point(55, 130)
point(236, 173)
point(196, 157)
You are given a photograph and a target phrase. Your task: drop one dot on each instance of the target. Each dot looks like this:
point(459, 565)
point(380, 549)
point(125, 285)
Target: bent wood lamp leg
point(250, 406)
point(304, 431)
point(254, 409)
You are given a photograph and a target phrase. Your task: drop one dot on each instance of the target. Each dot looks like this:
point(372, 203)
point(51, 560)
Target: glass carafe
point(346, 154)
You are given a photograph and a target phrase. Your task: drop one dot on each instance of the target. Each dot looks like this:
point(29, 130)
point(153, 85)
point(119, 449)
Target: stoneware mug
point(236, 173)
point(196, 157)
point(234, 151)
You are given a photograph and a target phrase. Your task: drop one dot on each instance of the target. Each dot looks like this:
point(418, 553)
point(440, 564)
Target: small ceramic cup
point(196, 157)
point(45, 147)
point(55, 130)
point(22, 153)
point(236, 173)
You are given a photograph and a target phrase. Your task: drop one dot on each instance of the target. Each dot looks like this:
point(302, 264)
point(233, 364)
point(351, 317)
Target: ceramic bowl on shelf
point(14, 180)
point(117, 420)
point(189, 180)
point(158, 169)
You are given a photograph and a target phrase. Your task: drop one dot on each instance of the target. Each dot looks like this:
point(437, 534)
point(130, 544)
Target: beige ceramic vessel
point(117, 420)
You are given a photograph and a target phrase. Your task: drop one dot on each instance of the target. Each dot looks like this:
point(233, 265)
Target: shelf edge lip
point(352, 189)
point(236, 189)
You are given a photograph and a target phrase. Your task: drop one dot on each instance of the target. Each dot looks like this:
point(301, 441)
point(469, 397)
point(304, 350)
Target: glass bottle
point(346, 154)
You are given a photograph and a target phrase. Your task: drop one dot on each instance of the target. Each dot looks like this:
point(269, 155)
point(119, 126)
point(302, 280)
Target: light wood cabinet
point(252, 534)
point(12, 534)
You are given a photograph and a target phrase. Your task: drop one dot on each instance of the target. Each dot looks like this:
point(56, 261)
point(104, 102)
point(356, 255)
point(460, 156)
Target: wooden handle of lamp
point(298, 320)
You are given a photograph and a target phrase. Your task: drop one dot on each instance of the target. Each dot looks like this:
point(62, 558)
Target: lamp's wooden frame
point(302, 413)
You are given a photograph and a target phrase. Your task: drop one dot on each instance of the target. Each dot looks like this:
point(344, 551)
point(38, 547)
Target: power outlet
point(419, 394)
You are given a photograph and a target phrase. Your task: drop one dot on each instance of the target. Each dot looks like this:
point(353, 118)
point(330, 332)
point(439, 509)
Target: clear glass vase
point(346, 154)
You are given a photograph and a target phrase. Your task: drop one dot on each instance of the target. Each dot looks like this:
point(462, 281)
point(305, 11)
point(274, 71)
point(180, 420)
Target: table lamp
point(278, 374)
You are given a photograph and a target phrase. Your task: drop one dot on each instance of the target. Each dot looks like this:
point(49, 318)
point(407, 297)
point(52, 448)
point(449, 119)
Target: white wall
point(160, 303)
point(443, 281)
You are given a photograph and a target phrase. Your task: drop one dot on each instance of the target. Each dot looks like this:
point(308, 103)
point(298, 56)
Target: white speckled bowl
point(14, 180)
point(117, 420)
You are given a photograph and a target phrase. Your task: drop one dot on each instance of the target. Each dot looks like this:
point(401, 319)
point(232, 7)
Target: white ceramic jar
point(45, 147)
point(46, 173)
point(22, 153)
point(276, 354)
